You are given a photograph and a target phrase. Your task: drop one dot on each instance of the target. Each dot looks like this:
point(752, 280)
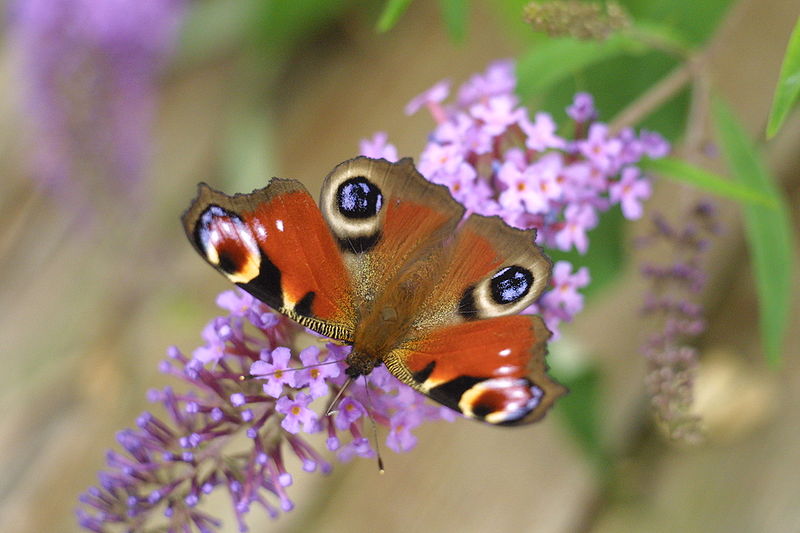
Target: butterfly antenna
point(331, 410)
point(374, 429)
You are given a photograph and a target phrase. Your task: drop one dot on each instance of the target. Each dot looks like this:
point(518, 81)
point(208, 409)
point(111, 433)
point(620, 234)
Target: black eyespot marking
point(303, 307)
point(359, 198)
point(227, 263)
point(511, 284)
point(482, 410)
point(466, 307)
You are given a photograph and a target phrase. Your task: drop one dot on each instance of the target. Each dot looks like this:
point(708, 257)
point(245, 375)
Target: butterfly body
point(387, 320)
point(388, 264)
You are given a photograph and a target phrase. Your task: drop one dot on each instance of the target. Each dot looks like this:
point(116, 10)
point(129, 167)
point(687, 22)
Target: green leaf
point(768, 231)
point(788, 88)
point(696, 20)
point(666, 37)
point(455, 14)
point(274, 28)
point(703, 179)
point(392, 11)
point(554, 60)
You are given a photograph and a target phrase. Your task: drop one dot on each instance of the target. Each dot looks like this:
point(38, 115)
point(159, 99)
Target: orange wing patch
point(410, 234)
point(492, 370)
point(499, 347)
point(291, 232)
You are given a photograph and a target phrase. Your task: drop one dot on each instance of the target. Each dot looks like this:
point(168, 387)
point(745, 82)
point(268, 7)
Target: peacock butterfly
point(389, 264)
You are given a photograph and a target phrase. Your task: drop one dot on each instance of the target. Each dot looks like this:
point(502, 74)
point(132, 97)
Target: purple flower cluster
point(670, 303)
point(247, 383)
point(497, 160)
point(89, 69)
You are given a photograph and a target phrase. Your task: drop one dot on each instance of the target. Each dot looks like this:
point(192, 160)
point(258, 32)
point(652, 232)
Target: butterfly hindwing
point(473, 355)
point(492, 370)
point(275, 244)
point(494, 270)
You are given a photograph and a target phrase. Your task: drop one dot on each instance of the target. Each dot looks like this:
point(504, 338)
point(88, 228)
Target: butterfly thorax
point(389, 319)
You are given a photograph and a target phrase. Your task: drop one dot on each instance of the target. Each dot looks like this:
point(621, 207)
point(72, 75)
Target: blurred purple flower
point(629, 191)
point(582, 108)
point(347, 412)
point(497, 161)
point(677, 318)
point(89, 75)
point(401, 438)
point(600, 149)
point(565, 288)
point(431, 97)
point(497, 80)
point(496, 114)
point(578, 219)
point(541, 133)
point(653, 144)
point(378, 147)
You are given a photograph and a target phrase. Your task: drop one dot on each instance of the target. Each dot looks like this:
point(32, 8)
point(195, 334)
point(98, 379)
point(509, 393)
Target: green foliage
point(625, 66)
point(280, 24)
point(695, 20)
point(455, 14)
point(684, 172)
point(392, 11)
point(768, 231)
point(788, 88)
point(555, 60)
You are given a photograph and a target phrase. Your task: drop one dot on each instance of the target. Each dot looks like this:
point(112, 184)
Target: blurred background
point(98, 279)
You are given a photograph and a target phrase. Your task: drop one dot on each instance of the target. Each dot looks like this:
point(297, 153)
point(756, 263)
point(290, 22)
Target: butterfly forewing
point(275, 244)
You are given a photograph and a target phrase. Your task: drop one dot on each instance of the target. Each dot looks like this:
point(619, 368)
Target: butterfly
point(389, 264)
